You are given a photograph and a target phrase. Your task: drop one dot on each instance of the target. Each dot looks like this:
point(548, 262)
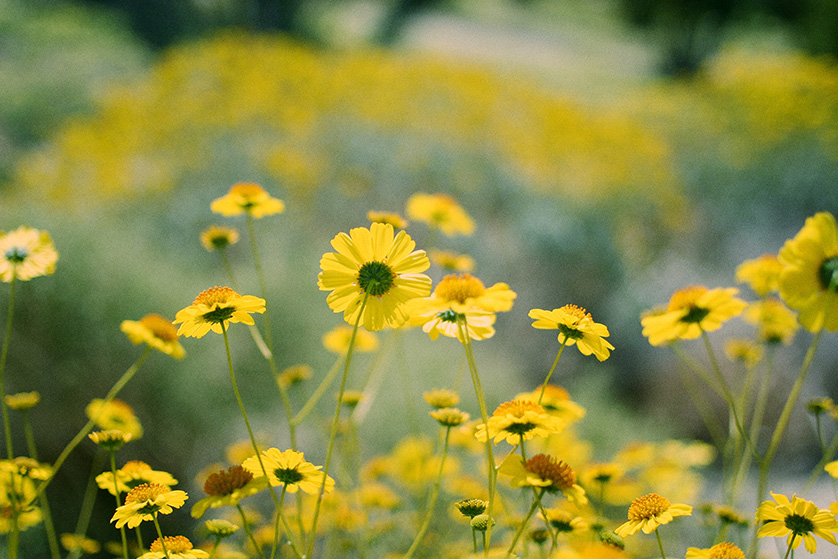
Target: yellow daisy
point(146, 501)
point(518, 420)
point(115, 415)
point(290, 469)
point(218, 237)
point(247, 197)
point(80, 543)
point(394, 219)
point(177, 547)
point(746, 351)
point(441, 398)
point(650, 511)
point(575, 326)
point(132, 474)
point(796, 520)
point(452, 261)
point(27, 253)
point(809, 279)
point(23, 400)
point(724, 550)
point(546, 472)
point(556, 401)
point(774, 321)
point(565, 522)
point(832, 468)
point(337, 340)
point(156, 331)
point(761, 274)
point(440, 211)
point(690, 311)
point(110, 439)
point(378, 265)
point(214, 308)
point(227, 488)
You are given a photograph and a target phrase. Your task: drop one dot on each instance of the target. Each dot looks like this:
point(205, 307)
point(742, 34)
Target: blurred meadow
point(609, 154)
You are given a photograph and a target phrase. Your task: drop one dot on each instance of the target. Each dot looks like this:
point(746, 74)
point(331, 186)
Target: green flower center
point(571, 333)
point(695, 315)
point(520, 428)
point(288, 476)
point(828, 274)
point(448, 316)
point(562, 525)
point(799, 524)
point(16, 255)
point(376, 278)
point(219, 315)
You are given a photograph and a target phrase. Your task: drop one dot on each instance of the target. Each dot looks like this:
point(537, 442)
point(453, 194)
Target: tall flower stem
point(318, 392)
point(7, 429)
point(89, 498)
point(484, 416)
point(432, 501)
point(49, 526)
point(536, 502)
point(660, 543)
point(312, 535)
point(160, 535)
point(118, 503)
point(550, 374)
point(249, 532)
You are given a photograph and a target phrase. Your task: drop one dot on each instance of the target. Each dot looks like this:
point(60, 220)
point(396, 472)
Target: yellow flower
point(449, 417)
point(227, 488)
point(761, 274)
point(747, 351)
point(377, 265)
point(79, 542)
point(247, 197)
point(110, 439)
point(131, 475)
point(440, 211)
point(724, 550)
point(546, 472)
point(452, 261)
point(575, 326)
point(518, 420)
point(116, 415)
point(218, 237)
point(156, 332)
point(23, 400)
point(289, 469)
point(556, 401)
point(796, 519)
point(809, 279)
point(441, 398)
point(294, 375)
point(214, 309)
point(337, 340)
point(564, 521)
point(832, 468)
point(146, 501)
point(27, 253)
point(690, 311)
point(177, 547)
point(650, 511)
point(774, 321)
point(394, 219)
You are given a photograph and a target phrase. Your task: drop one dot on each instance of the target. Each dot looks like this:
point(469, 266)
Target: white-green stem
point(7, 429)
point(550, 374)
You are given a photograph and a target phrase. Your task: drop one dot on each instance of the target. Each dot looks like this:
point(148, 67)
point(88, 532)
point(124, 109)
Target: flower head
point(115, 414)
point(145, 501)
point(690, 312)
point(564, 521)
point(441, 398)
point(27, 253)
point(471, 507)
point(214, 309)
point(774, 321)
point(294, 374)
point(289, 469)
point(650, 511)
point(111, 439)
point(220, 528)
point(724, 550)
point(556, 401)
point(249, 198)
point(796, 520)
point(79, 543)
point(745, 351)
point(440, 211)
point(809, 279)
point(218, 237)
point(157, 332)
point(518, 420)
point(337, 340)
point(761, 274)
point(394, 219)
point(575, 326)
point(176, 547)
point(227, 488)
point(131, 475)
point(449, 417)
point(378, 266)
point(452, 261)
point(23, 400)
point(546, 472)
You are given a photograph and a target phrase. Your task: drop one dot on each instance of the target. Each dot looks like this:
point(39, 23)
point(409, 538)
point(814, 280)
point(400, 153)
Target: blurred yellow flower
point(132, 474)
point(27, 253)
point(774, 321)
point(747, 351)
point(110, 439)
point(761, 274)
point(449, 417)
point(218, 237)
point(451, 261)
point(157, 332)
point(441, 398)
point(575, 326)
point(145, 502)
point(377, 265)
point(797, 520)
point(289, 469)
point(116, 414)
point(227, 488)
point(249, 198)
point(546, 472)
point(832, 468)
point(556, 401)
point(337, 340)
point(23, 400)
point(295, 374)
point(394, 219)
point(176, 547)
point(809, 279)
point(440, 211)
point(215, 308)
point(564, 521)
point(79, 543)
point(724, 550)
point(691, 311)
point(650, 511)
point(518, 420)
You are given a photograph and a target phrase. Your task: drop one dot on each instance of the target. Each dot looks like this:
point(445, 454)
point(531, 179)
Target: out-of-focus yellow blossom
point(241, 450)
point(809, 279)
point(516, 421)
point(452, 261)
point(157, 332)
point(23, 400)
point(556, 401)
point(132, 474)
point(797, 520)
point(576, 327)
point(832, 468)
point(218, 237)
point(247, 198)
point(214, 309)
point(761, 274)
point(545, 472)
point(413, 463)
point(747, 351)
point(79, 543)
point(565, 522)
point(650, 511)
point(145, 502)
point(774, 321)
point(220, 528)
point(116, 414)
point(337, 340)
point(690, 312)
point(440, 211)
point(590, 551)
point(724, 550)
point(441, 398)
point(295, 374)
point(378, 266)
point(378, 495)
point(176, 547)
point(27, 253)
point(449, 417)
point(110, 439)
point(394, 219)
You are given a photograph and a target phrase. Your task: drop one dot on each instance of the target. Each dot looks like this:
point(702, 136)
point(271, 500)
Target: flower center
point(459, 288)
point(647, 506)
point(174, 544)
point(575, 311)
point(726, 550)
point(517, 408)
point(224, 483)
point(246, 190)
point(686, 297)
point(548, 468)
point(288, 476)
point(448, 316)
point(160, 327)
point(135, 467)
point(376, 278)
point(827, 273)
point(799, 524)
point(471, 507)
point(16, 255)
point(145, 492)
point(215, 295)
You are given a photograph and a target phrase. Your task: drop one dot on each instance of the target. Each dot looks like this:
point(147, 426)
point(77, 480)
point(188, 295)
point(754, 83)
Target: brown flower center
point(576, 311)
point(215, 295)
point(517, 408)
point(459, 288)
point(146, 492)
point(174, 544)
point(224, 483)
point(647, 506)
point(161, 327)
point(560, 475)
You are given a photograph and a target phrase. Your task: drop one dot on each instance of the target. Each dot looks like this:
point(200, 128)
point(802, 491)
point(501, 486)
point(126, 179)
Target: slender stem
point(788, 551)
point(257, 263)
point(828, 454)
point(49, 526)
point(660, 543)
point(89, 498)
point(318, 392)
point(160, 535)
point(523, 526)
point(333, 432)
point(118, 502)
point(432, 501)
point(550, 374)
point(249, 532)
point(7, 429)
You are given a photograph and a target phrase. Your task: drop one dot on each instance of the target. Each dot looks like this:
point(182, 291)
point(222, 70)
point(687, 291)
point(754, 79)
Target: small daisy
point(249, 198)
point(131, 475)
point(114, 415)
point(440, 211)
point(690, 312)
point(797, 520)
point(289, 469)
point(27, 253)
point(157, 332)
point(650, 511)
point(452, 261)
point(337, 340)
point(176, 547)
point(110, 439)
point(146, 501)
point(576, 327)
point(724, 550)
point(546, 472)
point(23, 400)
point(227, 488)
point(214, 309)
point(518, 420)
point(218, 237)
point(761, 274)
point(80, 543)
point(394, 219)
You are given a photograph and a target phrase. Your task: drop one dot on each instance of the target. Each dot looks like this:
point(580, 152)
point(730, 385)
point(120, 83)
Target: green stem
point(257, 263)
point(550, 374)
point(432, 501)
point(828, 454)
point(523, 526)
point(312, 536)
point(49, 526)
point(118, 502)
point(318, 392)
point(7, 429)
point(788, 551)
point(660, 543)
point(160, 535)
point(249, 532)
point(89, 498)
